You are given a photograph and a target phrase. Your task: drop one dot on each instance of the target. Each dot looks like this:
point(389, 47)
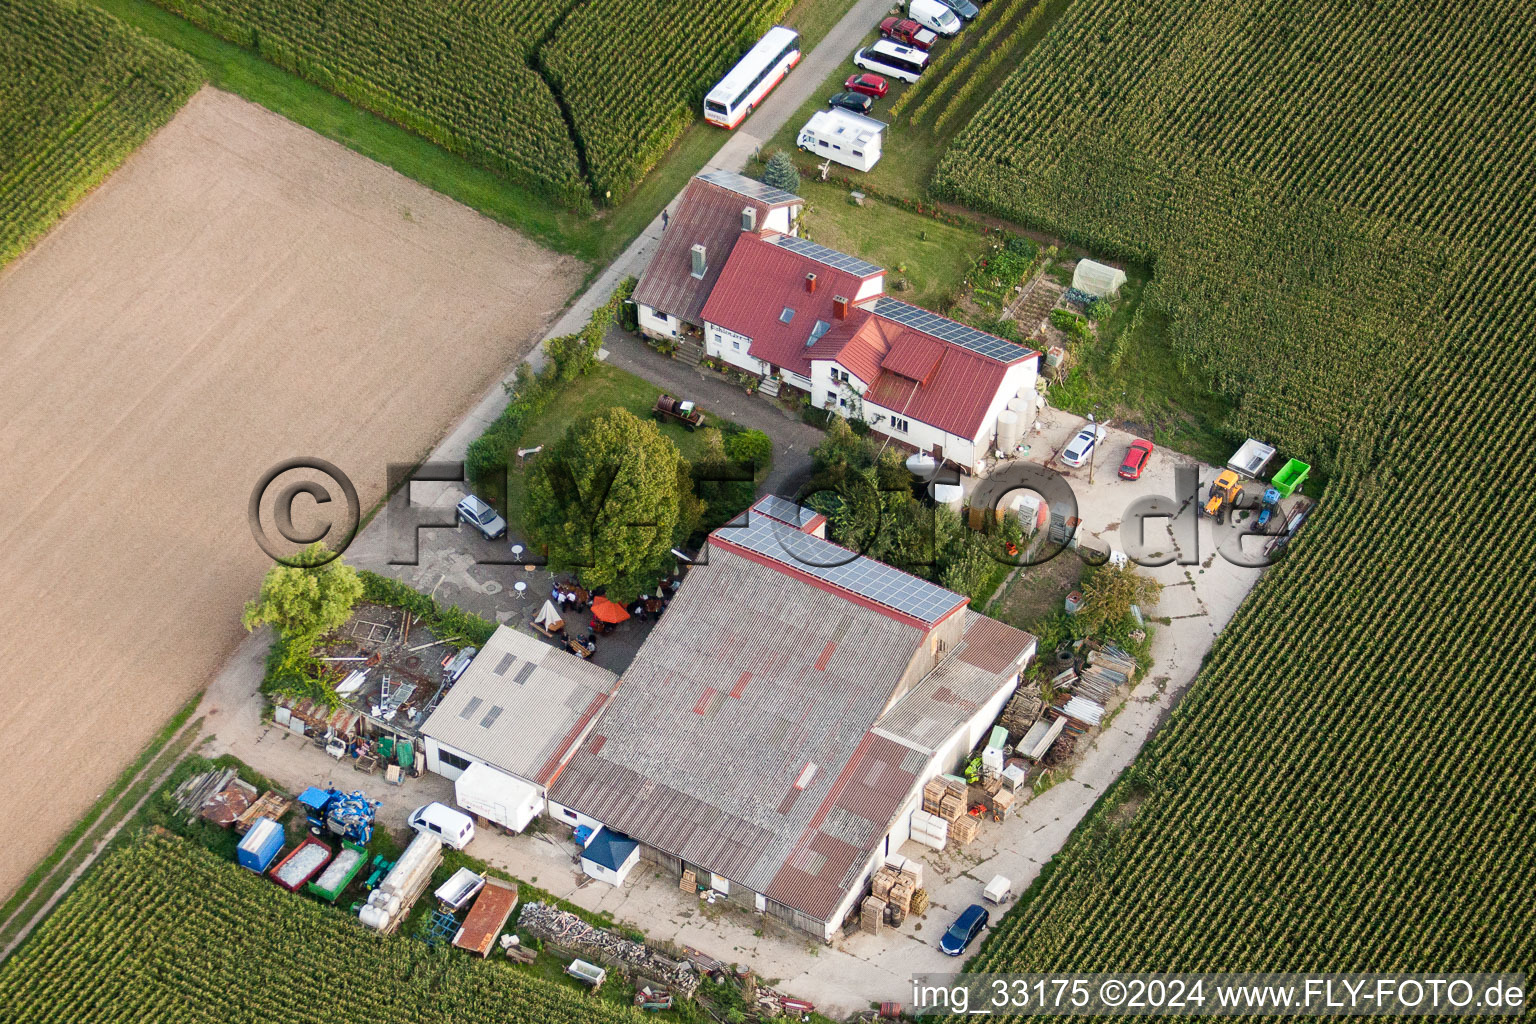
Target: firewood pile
point(570, 932)
point(1061, 750)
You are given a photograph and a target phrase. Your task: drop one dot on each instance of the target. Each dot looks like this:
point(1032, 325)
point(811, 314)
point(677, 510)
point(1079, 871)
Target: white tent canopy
point(497, 796)
point(1098, 279)
point(549, 616)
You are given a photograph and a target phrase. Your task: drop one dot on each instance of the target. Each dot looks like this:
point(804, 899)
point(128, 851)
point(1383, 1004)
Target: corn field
point(575, 100)
point(634, 74)
point(1336, 199)
point(165, 931)
point(79, 91)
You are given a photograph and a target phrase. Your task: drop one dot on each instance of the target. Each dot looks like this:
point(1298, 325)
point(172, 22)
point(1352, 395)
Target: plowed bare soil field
point(242, 291)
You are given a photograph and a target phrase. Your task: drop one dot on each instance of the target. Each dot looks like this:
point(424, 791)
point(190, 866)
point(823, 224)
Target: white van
point(892, 59)
point(934, 14)
point(454, 828)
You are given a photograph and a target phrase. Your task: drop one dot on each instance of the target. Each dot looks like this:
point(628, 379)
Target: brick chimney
point(699, 262)
point(810, 282)
point(840, 307)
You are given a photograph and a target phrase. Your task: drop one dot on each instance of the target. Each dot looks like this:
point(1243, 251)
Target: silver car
point(482, 517)
point(1080, 447)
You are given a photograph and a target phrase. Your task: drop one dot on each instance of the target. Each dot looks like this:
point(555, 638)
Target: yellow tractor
point(1225, 493)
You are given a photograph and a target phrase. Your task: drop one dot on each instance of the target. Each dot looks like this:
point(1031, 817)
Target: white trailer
point(843, 137)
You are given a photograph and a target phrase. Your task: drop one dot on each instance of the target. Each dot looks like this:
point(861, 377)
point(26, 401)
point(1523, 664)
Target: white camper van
point(843, 137)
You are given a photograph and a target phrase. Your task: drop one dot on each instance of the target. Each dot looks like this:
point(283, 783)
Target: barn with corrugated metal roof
point(774, 733)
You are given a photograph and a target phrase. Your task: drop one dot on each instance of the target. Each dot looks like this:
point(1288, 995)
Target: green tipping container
point(1290, 477)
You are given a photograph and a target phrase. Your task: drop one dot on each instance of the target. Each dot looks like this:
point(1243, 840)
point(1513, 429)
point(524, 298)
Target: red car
point(1136, 459)
point(868, 84)
point(908, 32)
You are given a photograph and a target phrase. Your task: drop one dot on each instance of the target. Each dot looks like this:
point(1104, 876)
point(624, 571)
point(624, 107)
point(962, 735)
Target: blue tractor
point(348, 815)
point(1268, 506)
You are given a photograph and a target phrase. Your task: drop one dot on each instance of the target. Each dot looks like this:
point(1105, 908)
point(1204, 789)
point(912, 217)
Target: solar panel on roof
point(840, 567)
point(749, 187)
point(828, 257)
point(945, 329)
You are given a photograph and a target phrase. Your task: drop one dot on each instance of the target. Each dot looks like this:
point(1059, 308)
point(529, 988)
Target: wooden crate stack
point(872, 915)
point(964, 829)
point(901, 893)
point(689, 882)
point(919, 901)
point(882, 882)
point(933, 794)
point(952, 807)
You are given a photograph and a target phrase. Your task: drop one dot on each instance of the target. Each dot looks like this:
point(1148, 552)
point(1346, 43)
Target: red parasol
point(605, 610)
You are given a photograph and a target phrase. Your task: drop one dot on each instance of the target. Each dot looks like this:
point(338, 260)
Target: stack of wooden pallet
point(872, 914)
point(901, 893)
point(882, 882)
point(933, 793)
point(689, 882)
point(963, 831)
point(952, 807)
point(919, 901)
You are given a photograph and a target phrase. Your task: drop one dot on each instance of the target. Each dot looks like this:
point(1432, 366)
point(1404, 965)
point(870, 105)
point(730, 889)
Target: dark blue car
point(965, 929)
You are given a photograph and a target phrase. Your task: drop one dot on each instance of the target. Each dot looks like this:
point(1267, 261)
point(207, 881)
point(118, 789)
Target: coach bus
point(753, 77)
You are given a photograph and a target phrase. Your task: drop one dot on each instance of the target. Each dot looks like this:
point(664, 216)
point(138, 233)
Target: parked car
point(905, 30)
point(965, 929)
point(1136, 458)
point(854, 101)
point(964, 8)
point(869, 85)
point(935, 15)
point(454, 828)
point(1080, 447)
point(482, 517)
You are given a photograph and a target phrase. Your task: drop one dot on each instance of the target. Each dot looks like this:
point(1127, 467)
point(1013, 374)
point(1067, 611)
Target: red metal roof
point(955, 393)
point(760, 281)
point(914, 356)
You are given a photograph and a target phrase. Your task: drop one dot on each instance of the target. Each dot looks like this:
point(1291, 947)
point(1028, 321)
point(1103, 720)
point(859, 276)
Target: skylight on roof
point(822, 327)
point(786, 316)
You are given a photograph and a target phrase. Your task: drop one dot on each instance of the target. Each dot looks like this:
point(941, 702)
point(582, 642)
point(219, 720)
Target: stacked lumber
point(920, 901)
point(964, 831)
point(871, 914)
point(271, 805)
point(1023, 709)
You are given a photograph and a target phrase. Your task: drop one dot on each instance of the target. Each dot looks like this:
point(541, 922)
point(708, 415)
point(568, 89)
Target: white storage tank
point(952, 495)
point(1007, 430)
point(922, 465)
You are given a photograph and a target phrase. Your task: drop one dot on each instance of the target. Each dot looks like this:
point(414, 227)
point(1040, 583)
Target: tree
point(609, 500)
point(752, 446)
point(307, 600)
point(1109, 593)
point(781, 173)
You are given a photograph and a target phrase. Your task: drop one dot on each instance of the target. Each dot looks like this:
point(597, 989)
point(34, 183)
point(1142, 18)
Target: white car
point(1080, 447)
point(482, 517)
point(935, 15)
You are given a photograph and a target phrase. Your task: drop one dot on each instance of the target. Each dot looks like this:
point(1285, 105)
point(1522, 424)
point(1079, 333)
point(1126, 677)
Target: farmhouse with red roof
point(801, 315)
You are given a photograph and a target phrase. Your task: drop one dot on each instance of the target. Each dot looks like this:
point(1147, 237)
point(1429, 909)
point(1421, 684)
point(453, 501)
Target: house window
point(568, 813)
point(842, 403)
point(736, 345)
point(453, 760)
point(839, 375)
point(897, 423)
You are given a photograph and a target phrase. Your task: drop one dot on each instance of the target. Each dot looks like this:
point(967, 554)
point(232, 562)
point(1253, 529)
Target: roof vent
point(840, 307)
point(699, 262)
point(810, 282)
point(749, 218)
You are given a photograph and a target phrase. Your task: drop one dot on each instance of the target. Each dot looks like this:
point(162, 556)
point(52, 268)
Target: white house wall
point(1019, 380)
point(572, 817)
point(437, 765)
point(658, 324)
point(733, 348)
